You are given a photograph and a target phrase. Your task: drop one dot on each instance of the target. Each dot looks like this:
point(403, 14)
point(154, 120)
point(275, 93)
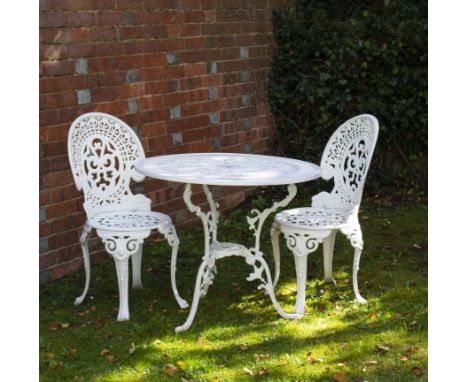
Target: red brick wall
point(187, 75)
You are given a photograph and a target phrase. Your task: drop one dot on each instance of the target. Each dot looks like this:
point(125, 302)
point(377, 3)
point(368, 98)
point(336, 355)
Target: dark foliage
point(335, 59)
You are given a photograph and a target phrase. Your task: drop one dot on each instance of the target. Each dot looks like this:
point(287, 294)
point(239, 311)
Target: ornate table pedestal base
point(216, 250)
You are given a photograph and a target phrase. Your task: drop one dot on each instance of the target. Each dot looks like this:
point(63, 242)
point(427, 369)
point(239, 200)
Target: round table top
point(228, 169)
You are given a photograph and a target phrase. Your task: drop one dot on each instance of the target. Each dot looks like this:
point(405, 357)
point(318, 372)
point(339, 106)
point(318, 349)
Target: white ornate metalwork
point(102, 150)
point(216, 250)
point(233, 170)
point(228, 169)
point(346, 159)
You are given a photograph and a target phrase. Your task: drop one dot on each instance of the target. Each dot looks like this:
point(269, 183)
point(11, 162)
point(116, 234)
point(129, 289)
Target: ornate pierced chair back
point(346, 159)
point(102, 151)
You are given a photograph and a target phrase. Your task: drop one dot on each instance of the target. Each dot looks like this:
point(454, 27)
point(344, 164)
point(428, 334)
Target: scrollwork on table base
point(216, 250)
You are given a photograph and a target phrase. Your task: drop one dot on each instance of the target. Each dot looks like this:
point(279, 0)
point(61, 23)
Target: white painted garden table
point(226, 169)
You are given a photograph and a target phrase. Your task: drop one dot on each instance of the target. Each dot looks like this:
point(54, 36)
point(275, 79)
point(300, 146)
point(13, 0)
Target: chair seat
point(124, 221)
point(313, 218)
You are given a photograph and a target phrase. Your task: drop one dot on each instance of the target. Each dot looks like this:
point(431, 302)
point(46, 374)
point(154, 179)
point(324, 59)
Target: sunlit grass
point(342, 333)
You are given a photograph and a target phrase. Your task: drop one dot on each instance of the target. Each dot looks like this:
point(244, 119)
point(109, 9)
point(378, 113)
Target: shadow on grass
point(393, 278)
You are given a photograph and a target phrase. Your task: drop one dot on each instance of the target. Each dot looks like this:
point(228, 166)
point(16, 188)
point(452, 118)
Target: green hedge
point(335, 59)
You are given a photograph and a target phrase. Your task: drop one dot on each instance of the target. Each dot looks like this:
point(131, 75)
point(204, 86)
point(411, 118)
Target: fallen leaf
point(93, 308)
point(73, 352)
point(396, 316)
point(109, 334)
point(157, 342)
point(262, 355)
point(343, 345)
point(248, 371)
point(54, 326)
point(413, 323)
point(346, 281)
point(111, 358)
point(381, 348)
point(132, 349)
point(372, 316)
point(202, 341)
point(313, 359)
point(414, 349)
point(417, 246)
point(340, 377)
point(404, 358)
point(341, 364)
point(263, 371)
point(181, 363)
point(417, 371)
point(244, 347)
point(171, 369)
point(104, 351)
point(372, 362)
point(53, 364)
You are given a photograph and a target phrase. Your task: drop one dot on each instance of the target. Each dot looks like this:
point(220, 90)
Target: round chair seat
point(123, 221)
point(313, 218)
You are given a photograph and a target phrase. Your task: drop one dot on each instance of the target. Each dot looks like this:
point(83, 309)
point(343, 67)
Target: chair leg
point(328, 246)
point(355, 238)
point(301, 278)
point(171, 236)
point(274, 235)
point(121, 265)
point(87, 266)
point(136, 269)
point(357, 257)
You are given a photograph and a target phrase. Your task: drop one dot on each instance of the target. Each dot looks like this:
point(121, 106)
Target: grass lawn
point(237, 334)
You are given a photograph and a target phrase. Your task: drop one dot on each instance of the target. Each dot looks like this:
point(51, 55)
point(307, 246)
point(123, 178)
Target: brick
point(244, 52)
point(172, 58)
point(83, 96)
point(43, 245)
point(211, 68)
point(214, 117)
point(44, 276)
point(177, 139)
point(246, 100)
point(42, 215)
point(52, 20)
point(215, 143)
point(245, 76)
point(81, 65)
point(131, 76)
point(133, 105)
point(247, 124)
point(58, 68)
point(175, 112)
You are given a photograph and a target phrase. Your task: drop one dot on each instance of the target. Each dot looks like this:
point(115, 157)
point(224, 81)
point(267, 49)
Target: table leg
point(207, 268)
point(254, 256)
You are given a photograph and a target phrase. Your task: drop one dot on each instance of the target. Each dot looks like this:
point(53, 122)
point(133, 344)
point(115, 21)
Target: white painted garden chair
point(103, 150)
point(346, 159)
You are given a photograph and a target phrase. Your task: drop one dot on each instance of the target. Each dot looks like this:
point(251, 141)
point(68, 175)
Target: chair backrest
point(102, 151)
point(346, 159)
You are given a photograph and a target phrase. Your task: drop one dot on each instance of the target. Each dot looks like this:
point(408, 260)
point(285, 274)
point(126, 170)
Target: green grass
point(393, 278)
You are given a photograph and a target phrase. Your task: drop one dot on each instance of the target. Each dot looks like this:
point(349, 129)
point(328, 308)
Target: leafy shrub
point(336, 59)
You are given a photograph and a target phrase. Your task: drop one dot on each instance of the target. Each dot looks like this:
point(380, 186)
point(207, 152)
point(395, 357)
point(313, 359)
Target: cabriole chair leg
point(357, 257)
point(301, 279)
point(328, 246)
point(274, 235)
point(136, 269)
point(87, 266)
point(355, 237)
point(121, 265)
